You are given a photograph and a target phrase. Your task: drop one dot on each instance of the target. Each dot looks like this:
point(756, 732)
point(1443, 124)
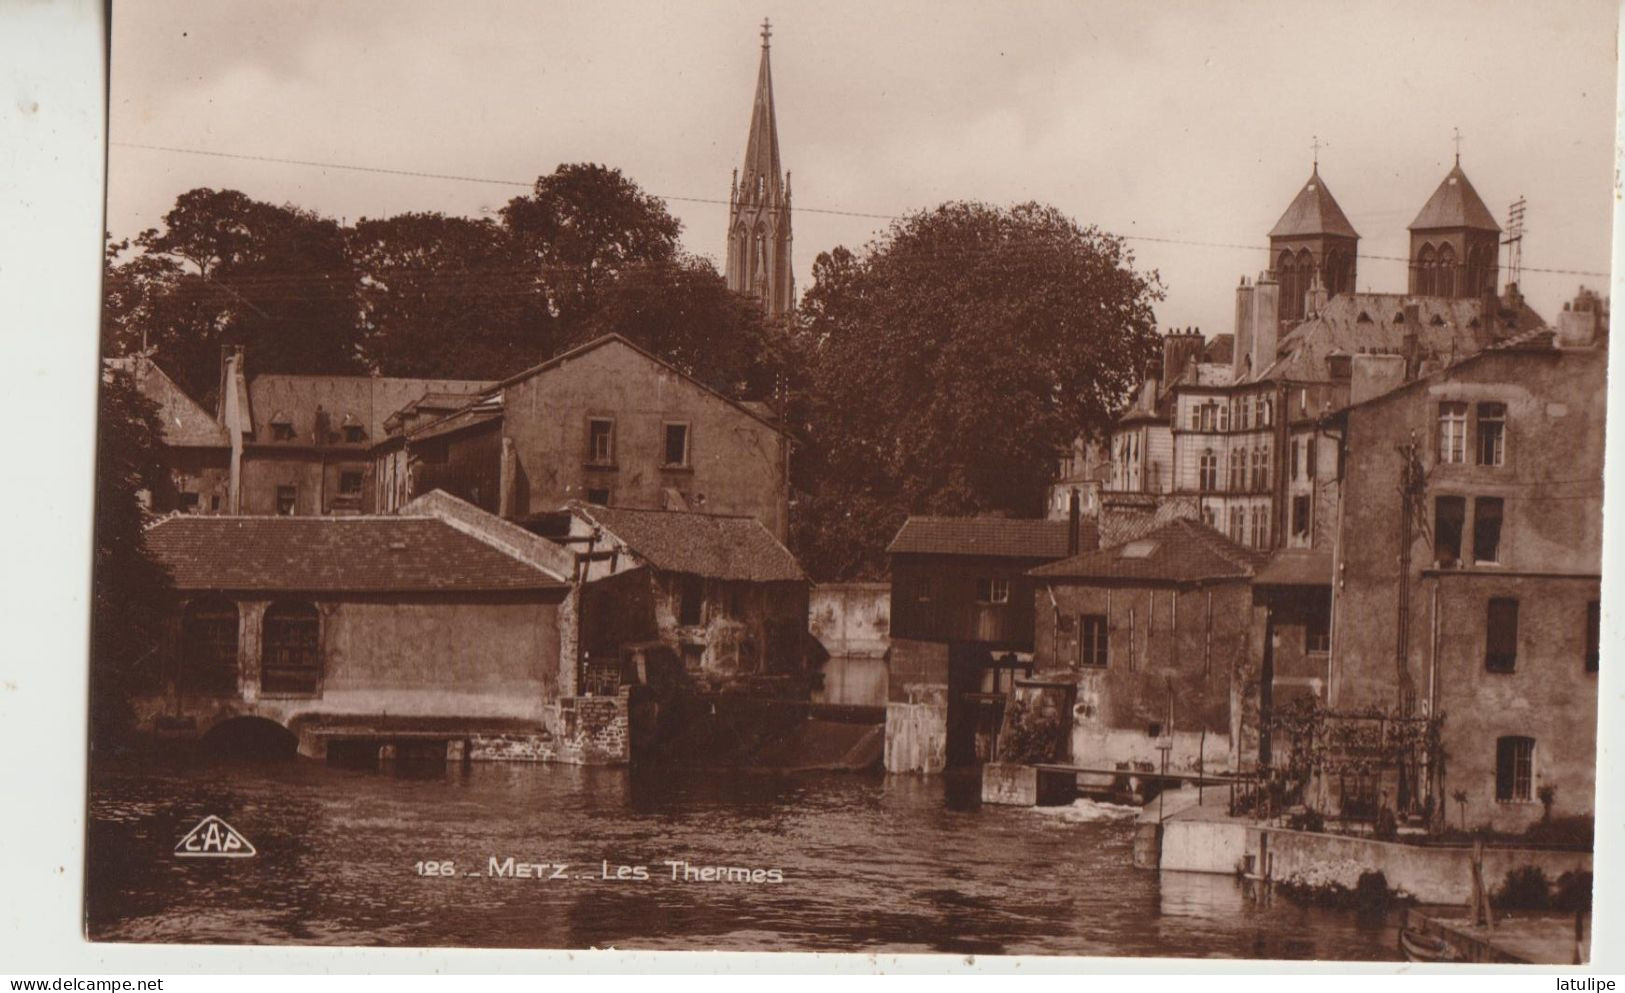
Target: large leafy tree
point(443, 296)
point(948, 364)
point(682, 310)
point(228, 269)
point(583, 226)
point(130, 591)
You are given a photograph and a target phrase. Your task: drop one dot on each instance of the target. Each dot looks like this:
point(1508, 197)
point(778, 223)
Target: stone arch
point(1293, 284)
point(240, 736)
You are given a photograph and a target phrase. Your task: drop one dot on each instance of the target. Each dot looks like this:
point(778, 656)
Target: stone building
point(721, 593)
point(374, 629)
point(1150, 641)
point(197, 453)
point(1467, 572)
point(607, 424)
point(759, 263)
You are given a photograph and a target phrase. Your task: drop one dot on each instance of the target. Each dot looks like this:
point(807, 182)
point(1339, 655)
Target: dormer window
point(281, 427)
point(354, 433)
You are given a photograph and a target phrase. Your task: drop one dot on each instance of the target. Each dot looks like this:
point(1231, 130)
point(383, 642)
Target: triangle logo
point(213, 838)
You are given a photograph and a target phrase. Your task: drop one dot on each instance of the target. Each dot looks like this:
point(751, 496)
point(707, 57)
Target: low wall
point(1428, 873)
point(1431, 874)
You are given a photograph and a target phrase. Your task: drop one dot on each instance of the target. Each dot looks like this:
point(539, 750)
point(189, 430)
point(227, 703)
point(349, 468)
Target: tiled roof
point(186, 424)
point(1447, 329)
point(1220, 350)
point(369, 399)
point(335, 555)
point(1455, 204)
point(997, 537)
point(1313, 211)
point(710, 545)
point(1181, 551)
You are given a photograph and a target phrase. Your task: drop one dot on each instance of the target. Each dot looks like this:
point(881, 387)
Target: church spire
point(759, 204)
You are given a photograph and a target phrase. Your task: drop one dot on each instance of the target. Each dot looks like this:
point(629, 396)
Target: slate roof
point(1314, 211)
point(1455, 204)
point(335, 555)
point(1355, 322)
point(996, 537)
point(715, 546)
point(186, 423)
point(1181, 551)
point(369, 399)
point(1118, 525)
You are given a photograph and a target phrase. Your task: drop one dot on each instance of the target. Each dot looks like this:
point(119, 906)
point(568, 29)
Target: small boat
point(1419, 947)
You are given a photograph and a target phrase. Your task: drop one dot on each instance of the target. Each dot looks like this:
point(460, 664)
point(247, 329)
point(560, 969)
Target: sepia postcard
point(1067, 479)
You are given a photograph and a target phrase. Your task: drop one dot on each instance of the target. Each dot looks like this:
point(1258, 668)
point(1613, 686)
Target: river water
point(869, 863)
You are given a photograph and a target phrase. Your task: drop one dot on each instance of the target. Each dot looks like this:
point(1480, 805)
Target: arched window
point(1338, 279)
point(293, 655)
point(208, 662)
point(1445, 284)
point(1424, 271)
point(1479, 278)
point(1291, 281)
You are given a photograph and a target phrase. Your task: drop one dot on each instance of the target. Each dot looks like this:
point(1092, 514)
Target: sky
point(1166, 123)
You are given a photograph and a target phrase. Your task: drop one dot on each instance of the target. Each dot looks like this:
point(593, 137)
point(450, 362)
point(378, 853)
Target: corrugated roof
point(335, 555)
point(185, 422)
point(1455, 204)
point(710, 545)
point(1314, 211)
point(1181, 551)
point(998, 537)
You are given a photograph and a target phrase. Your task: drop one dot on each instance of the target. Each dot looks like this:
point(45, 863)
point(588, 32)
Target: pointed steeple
point(762, 148)
point(1455, 242)
point(1314, 211)
point(759, 205)
point(1455, 204)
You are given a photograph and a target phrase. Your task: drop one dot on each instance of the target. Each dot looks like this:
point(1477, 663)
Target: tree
point(443, 296)
point(581, 227)
point(227, 269)
point(682, 310)
point(130, 591)
point(950, 362)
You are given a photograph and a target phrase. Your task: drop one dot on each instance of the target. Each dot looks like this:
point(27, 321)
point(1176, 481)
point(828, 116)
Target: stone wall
point(594, 730)
point(853, 623)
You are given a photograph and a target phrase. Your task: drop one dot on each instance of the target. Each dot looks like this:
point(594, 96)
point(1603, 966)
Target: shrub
point(1573, 891)
point(1032, 737)
point(1563, 831)
point(1307, 820)
point(1371, 892)
point(1525, 888)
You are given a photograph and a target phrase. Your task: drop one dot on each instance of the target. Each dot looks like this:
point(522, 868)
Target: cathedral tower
point(759, 208)
point(1312, 245)
point(1455, 242)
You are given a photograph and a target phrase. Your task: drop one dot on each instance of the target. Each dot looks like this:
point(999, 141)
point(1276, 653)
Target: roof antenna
point(1458, 144)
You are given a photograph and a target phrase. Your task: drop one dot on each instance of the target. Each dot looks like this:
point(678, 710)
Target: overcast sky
point(1175, 120)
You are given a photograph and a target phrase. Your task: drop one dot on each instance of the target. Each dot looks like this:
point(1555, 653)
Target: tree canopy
point(130, 590)
point(584, 253)
point(948, 365)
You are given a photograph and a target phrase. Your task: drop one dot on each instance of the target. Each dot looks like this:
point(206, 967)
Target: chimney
point(1581, 319)
point(1266, 321)
point(1245, 301)
point(1409, 343)
point(1180, 350)
point(1074, 521)
point(1315, 300)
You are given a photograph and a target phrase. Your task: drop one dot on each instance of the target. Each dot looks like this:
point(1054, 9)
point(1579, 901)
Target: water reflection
point(869, 864)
